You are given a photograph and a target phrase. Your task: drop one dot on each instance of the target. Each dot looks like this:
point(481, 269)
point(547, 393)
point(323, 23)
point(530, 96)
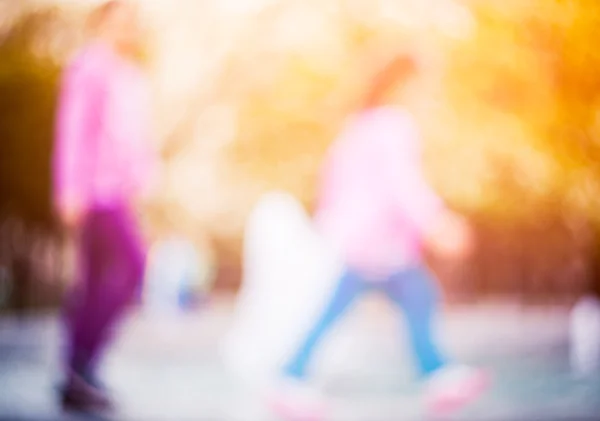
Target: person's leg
point(121, 256)
point(349, 287)
point(415, 292)
point(80, 392)
point(112, 269)
point(86, 287)
point(449, 386)
point(295, 397)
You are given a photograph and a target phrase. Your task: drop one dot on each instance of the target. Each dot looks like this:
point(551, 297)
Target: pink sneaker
point(297, 401)
point(452, 388)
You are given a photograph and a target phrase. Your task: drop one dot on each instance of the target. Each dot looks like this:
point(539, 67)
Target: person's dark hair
point(395, 72)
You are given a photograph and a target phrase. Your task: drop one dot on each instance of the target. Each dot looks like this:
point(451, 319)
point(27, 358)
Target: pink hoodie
point(374, 201)
point(102, 153)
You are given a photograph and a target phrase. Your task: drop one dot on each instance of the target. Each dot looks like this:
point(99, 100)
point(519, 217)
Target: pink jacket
point(375, 202)
point(102, 153)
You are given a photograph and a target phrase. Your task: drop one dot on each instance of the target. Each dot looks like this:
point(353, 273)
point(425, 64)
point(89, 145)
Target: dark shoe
point(93, 380)
point(81, 396)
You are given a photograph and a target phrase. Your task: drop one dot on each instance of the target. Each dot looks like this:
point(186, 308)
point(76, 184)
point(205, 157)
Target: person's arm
point(70, 166)
point(441, 229)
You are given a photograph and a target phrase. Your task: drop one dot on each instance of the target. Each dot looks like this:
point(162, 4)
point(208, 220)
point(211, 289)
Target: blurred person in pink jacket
point(102, 163)
point(377, 210)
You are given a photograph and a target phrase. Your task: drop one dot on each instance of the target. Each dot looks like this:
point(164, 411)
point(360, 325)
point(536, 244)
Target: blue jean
point(413, 290)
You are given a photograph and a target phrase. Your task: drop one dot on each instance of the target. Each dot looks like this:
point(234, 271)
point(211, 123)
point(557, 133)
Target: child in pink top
point(376, 208)
point(102, 161)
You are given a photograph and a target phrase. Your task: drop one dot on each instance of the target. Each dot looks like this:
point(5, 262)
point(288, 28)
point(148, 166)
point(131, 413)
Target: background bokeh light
point(249, 95)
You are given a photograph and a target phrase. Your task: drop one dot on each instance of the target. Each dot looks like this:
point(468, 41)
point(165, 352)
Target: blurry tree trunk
point(21, 286)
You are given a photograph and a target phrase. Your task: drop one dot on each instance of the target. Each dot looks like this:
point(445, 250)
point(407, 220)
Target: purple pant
point(111, 271)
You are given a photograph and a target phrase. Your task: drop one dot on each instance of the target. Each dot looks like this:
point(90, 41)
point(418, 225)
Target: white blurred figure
point(585, 336)
point(288, 275)
point(173, 271)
